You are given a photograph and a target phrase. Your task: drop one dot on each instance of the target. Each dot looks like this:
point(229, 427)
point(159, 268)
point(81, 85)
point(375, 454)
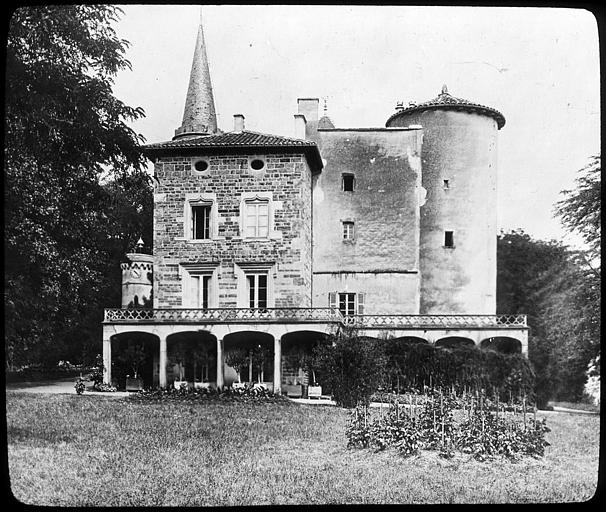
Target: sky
point(537, 66)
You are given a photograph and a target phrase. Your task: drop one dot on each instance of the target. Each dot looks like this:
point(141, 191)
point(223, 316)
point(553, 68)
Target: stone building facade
point(263, 243)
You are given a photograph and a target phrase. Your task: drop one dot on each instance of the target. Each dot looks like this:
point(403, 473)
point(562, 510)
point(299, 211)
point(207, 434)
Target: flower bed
point(240, 394)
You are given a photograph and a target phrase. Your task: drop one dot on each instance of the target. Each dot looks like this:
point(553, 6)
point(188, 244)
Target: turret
point(137, 278)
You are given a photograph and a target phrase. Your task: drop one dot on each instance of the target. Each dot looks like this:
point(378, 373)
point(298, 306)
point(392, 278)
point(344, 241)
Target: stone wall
point(459, 147)
point(286, 253)
point(382, 260)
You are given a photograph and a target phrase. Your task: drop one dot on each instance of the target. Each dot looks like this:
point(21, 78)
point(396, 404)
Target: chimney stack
point(238, 123)
point(300, 124)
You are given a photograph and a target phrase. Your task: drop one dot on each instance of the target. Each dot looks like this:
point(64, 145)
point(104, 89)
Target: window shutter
point(332, 300)
point(360, 303)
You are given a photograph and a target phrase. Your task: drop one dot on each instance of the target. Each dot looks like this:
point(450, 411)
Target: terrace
point(321, 315)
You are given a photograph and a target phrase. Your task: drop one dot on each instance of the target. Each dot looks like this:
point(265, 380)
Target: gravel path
point(63, 386)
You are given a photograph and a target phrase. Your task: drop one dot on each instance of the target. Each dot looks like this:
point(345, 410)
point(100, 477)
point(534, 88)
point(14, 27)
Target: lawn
point(71, 450)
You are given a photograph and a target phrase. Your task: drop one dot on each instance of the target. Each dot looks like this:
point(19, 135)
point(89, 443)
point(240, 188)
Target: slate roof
point(448, 102)
point(244, 140)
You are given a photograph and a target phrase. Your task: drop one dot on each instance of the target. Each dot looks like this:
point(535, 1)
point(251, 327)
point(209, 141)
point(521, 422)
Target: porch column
point(107, 360)
point(277, 365)
point(162, 361)
point(220, 381)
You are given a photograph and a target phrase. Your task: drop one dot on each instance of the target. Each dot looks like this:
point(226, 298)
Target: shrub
point(351, 366)
point(243, 394)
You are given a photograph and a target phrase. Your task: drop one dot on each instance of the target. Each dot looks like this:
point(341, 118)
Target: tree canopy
point(65, 132)
point(560, 291)
point(580, 208)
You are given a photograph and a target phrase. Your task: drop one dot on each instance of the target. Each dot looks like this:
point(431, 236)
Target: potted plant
point(202, 357)
point(180, 353)
point(314, 390)
point(261, 355)
point(134, 357)
point(236, 358)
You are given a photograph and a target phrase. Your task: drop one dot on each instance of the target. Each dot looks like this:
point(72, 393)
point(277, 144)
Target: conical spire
point(199, 116)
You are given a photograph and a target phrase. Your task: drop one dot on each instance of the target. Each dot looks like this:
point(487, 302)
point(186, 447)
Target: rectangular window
point(347, 303)
point(446, 184)
point(448, 238)
point(257, 290)
point(256, 219)
point(200, 290)
point(200, 225)
point(348, 182)
point(348, 230)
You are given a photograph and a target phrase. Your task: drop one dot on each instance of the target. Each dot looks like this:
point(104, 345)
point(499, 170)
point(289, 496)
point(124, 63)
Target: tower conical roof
point(199, 117)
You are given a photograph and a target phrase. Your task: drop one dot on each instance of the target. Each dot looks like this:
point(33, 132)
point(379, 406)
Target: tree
point(64, 132)
point(525, 266)
point(579, 212)
point(580, 209)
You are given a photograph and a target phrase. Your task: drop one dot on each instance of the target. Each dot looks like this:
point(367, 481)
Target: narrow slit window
point(348, 182)
point(446, 184)
point(448, 238)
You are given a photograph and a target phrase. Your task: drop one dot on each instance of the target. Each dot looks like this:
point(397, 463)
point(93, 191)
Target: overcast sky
point(538, 66)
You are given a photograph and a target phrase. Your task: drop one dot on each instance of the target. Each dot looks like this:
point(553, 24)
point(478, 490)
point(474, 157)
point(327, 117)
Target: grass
point(70, 450)
point(580, 406)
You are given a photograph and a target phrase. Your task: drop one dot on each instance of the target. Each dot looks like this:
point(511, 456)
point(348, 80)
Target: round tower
point(137, 274)
point(458, 239)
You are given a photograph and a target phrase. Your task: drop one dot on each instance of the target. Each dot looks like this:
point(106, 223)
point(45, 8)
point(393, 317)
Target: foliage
point(420, 365)
point(133, 357)
point(108, 388)
point(350, 366)
point(80, 386)
point(236, 358)
point(580, 208)
point(483, 429)
point(65, 135)
point(561, 296)
point(248, 394)
point(96, 375)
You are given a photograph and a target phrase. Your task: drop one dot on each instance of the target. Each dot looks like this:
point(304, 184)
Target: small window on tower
point(348, 230)
point(446, 184)
point(348, 182)
point(448, 238)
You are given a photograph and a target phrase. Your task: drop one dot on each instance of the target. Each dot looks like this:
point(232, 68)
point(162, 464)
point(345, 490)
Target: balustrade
point(286, 315)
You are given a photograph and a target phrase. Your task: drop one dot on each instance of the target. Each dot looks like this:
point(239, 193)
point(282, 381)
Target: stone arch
point(191, 357)
point(454, 342)
point(408, 339)
point(297, 349)
point(134, 351)
point(248, 357)
point(503, 344)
